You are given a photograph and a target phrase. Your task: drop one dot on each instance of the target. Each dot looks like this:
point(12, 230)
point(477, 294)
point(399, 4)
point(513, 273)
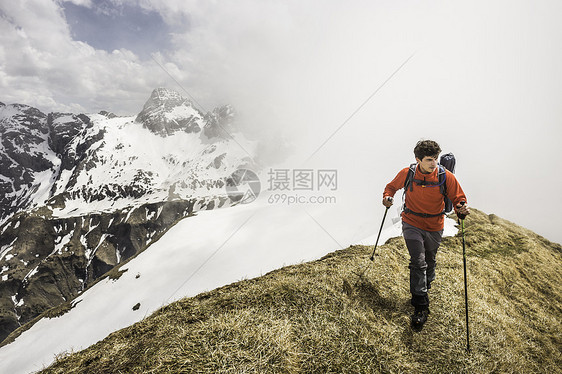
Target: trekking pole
point(380, 230)
point(461, 219)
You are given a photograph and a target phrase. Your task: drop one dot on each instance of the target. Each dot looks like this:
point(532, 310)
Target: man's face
point(428, 164)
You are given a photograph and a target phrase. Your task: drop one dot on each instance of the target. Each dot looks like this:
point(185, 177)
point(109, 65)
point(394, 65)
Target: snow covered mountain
point(83, 193)
point(209, 250)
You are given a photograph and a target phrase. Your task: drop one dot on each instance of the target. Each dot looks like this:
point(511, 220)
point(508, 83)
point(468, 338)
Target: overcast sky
point(483, 78)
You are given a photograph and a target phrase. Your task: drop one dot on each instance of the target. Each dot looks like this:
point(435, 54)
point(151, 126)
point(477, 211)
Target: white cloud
point(84, 3)
point(484, 81)
point(42, 66)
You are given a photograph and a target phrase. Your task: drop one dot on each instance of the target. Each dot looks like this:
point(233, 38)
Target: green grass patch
point(346, 314)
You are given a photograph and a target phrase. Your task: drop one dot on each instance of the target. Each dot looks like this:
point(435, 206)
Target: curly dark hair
point(427, 148)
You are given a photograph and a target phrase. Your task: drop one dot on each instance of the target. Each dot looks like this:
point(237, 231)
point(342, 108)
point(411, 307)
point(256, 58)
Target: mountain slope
point(322, 316)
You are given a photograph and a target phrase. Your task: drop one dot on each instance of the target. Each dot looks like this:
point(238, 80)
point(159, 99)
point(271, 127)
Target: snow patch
point(31, 273)
point(92, 228)
point(150, 214)
point(91, 253)
point(60, 243)
point(7, 248)
point(84, 242)
point(5, 228)
point(118, 255)
point(183, 111)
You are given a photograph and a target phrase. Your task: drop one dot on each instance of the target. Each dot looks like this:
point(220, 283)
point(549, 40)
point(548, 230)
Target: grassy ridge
point(325, 317)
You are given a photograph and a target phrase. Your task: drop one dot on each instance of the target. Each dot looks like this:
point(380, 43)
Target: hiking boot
point(419, 317)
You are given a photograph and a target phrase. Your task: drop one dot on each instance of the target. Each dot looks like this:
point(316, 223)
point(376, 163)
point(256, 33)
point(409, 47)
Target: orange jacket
point(426, 199)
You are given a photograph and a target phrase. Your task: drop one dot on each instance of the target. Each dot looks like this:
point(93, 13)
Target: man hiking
point(423, 218)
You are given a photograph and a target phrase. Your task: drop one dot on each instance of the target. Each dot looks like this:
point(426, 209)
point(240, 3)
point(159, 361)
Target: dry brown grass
point(321, 317)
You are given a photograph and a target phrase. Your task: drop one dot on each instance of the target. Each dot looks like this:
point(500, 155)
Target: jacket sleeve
point(396, 184)
point(454, 190)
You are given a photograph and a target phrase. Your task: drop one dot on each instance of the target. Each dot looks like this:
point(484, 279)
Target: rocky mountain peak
point(167, 112)
point(24, 154)
point(167, 96)
point(219, 122)
point(107, 114)
point(19, 116)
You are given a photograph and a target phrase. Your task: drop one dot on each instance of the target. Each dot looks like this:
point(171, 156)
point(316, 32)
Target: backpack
point(446, 161)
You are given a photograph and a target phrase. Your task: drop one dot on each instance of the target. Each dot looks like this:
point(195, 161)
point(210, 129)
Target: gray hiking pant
point(422, 246)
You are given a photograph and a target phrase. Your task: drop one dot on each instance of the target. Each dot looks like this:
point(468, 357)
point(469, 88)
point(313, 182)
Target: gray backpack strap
point(410, 177)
